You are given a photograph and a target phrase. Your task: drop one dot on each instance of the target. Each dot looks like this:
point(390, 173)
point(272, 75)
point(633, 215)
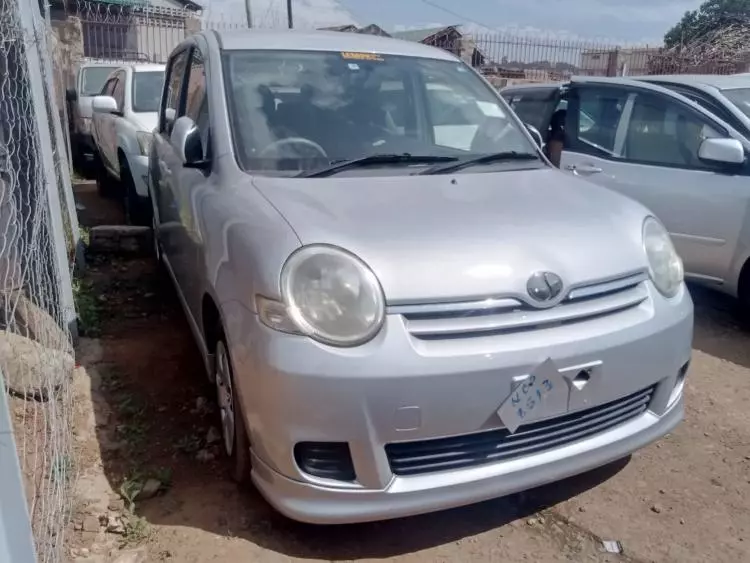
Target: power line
point(452, 13)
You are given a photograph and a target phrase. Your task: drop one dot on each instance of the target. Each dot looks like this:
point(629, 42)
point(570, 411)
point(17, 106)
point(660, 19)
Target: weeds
point(86, 306)
point(137, 530)
point(62, 468)
point(85, 235)
point(188, 444)
point(133, 432)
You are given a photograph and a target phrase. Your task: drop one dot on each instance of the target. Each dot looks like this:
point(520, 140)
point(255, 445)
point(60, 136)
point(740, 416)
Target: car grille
point(444, 454)
point(508, 315)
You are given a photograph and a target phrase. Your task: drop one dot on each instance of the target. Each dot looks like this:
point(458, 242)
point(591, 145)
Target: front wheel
point(106, 185)
point(234, 435)
point(136, 211)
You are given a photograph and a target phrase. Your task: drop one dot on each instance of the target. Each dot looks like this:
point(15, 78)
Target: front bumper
point(407, 496)
point(397, 389)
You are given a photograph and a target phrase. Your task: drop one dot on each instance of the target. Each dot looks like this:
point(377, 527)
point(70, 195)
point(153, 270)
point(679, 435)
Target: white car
point(125, 115)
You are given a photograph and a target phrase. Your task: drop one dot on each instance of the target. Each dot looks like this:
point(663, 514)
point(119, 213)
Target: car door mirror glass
point(104, 104)
point(186, 141)
point(535, 134)
point(728, 151)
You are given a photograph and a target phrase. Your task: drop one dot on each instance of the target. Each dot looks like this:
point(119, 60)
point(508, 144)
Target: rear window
point(93, 79)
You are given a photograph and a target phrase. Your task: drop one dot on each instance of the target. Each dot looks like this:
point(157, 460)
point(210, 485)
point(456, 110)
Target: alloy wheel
point(225, 397)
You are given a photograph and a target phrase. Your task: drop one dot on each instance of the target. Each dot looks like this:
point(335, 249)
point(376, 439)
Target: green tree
point(712, 15)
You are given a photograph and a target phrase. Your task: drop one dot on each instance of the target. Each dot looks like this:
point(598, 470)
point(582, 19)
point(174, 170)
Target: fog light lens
point(327, 460)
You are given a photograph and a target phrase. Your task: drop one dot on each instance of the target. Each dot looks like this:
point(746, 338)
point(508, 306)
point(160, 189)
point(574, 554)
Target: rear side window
point(173, 99)
point(594, 127)
point(533, 107)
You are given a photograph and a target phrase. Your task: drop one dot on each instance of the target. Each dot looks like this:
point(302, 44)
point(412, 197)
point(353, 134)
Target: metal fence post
point(31, 20)
point(16, 540)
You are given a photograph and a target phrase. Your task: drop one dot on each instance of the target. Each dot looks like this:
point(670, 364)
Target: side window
point(107, 88)
point(119, 90)
point(173, 98)
point(591, 126)
point(664, 132)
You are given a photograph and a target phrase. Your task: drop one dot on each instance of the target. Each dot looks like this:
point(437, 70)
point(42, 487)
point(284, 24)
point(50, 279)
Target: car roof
point(299, 40)
point(720, 81)
point(147, 67)
point(94, 64)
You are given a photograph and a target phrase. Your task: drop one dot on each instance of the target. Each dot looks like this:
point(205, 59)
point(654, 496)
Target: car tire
point(106, 185)
point(234, 440)
point(136, 211)
point(743, 296)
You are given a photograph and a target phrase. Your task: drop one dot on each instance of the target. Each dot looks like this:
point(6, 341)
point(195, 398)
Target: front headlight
point(144, 141)
point(665, 266)
point(332, 296)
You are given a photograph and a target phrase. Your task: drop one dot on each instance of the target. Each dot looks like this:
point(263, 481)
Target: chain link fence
point(38, 238)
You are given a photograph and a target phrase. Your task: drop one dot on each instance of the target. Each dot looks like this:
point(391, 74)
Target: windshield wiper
point(404, 158)
point(484, 159)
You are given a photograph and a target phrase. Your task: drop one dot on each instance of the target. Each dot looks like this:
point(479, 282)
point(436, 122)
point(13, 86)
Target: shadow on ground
point(717, 324)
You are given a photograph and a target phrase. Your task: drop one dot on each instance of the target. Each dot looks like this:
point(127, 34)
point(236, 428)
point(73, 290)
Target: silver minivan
point(679, 149)
point(403, 306)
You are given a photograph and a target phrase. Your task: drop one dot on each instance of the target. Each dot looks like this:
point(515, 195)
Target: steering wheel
point(306, 145)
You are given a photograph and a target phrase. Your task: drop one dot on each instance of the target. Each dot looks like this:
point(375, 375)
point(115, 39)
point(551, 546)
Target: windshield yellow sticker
point(361, 56)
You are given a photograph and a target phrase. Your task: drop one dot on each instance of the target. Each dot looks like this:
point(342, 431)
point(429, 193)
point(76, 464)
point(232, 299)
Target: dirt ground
point(684, 499)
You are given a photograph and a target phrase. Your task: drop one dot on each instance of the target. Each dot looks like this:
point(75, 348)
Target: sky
point(613, 21)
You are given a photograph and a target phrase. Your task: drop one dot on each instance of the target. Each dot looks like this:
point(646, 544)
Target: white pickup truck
point(125, 115)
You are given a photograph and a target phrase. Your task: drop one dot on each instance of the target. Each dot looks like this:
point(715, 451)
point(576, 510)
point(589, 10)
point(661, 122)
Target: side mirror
point(535, 133)
point(71, 95)
point(104, 104)
point(727, 151)
point(186, 141)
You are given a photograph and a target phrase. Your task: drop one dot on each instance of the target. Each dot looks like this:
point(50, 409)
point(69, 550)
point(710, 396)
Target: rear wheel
point(234, 436)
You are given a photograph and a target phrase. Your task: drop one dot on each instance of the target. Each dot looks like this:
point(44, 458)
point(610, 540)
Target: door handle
point(583, 169)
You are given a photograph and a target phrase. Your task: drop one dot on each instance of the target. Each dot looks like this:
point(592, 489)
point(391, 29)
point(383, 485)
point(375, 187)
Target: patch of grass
point(137, 530)
point(164, 475)
point(86, 306)
point(188, 444)
point(129, 406)
point(62, 468)
point(131, 486)
point(133, 432)
point(85, 235)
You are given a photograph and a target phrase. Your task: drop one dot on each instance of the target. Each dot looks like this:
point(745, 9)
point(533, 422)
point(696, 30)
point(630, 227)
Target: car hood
point(147, 120)
point(464, 236)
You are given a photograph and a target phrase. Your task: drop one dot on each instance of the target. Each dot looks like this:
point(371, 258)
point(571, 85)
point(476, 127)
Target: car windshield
point(740, 97)
point(147, 87)
point(93, 79)
point(296, 111)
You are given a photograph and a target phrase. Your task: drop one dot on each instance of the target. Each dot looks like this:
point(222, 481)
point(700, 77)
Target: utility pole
point(289, 13)
point(249, 13)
